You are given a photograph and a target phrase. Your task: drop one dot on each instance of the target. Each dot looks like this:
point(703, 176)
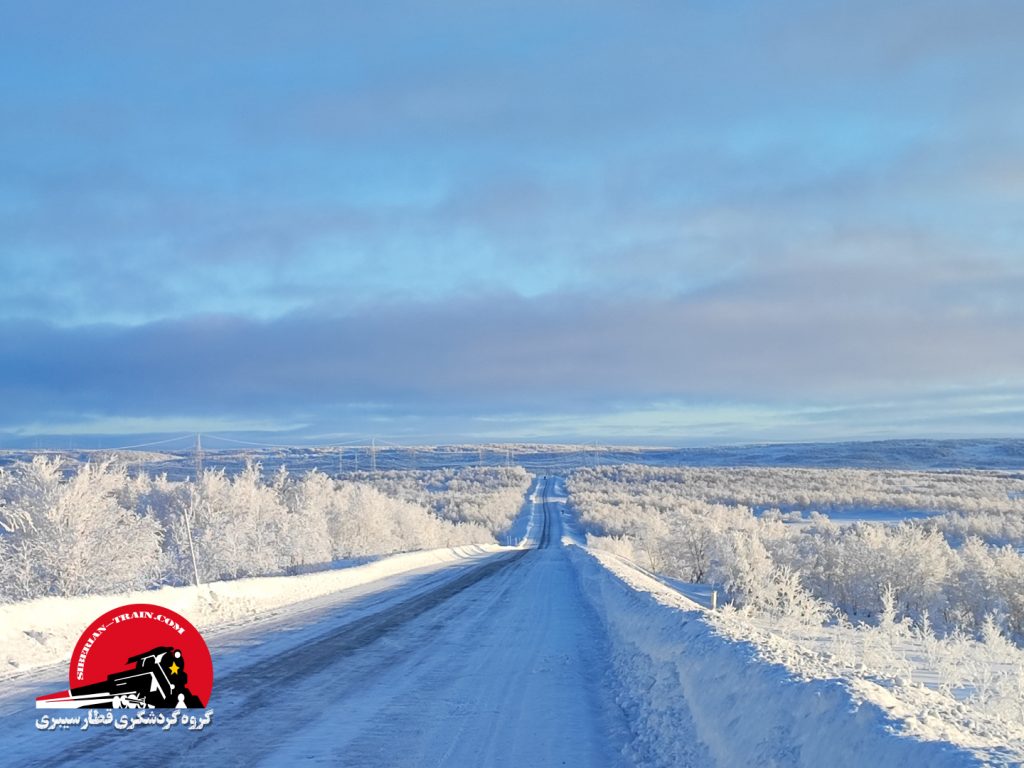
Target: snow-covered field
point(920, 614)
point(547, 654)
point(951, 562)
point(996, 454)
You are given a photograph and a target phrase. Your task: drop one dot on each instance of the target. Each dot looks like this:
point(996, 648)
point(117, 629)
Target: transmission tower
point(198, 457)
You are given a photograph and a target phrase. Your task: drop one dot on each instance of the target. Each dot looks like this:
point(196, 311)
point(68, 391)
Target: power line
point(147, 445)
point(249, 442)
point(355, 442)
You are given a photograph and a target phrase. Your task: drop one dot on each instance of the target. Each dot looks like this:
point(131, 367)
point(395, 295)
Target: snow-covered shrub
point(617, 545)
point(689, 524)
point(488, 496)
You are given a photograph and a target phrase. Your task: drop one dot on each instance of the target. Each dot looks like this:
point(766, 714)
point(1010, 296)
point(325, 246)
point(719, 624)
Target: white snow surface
point(546, 655)
point(36, 633)
point(751, 696)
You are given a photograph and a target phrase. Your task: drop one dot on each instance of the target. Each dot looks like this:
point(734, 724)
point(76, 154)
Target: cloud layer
point(538, 360)
point(556, 218)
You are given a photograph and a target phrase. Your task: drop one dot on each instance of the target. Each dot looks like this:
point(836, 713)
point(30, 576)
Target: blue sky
point(665, 221)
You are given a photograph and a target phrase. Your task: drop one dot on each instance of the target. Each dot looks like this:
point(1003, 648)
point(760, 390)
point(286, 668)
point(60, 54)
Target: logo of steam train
point(174, 672)
point(158, 680)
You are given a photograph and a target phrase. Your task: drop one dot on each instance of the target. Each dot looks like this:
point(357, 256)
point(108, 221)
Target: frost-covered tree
point(73, 536)
point(97, 529)
point(239, 525)
point(307, 500)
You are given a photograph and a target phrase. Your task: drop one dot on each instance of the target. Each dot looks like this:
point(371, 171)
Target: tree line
point(100, 529)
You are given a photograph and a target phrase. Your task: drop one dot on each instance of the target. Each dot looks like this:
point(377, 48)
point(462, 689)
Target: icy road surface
point(492, 663)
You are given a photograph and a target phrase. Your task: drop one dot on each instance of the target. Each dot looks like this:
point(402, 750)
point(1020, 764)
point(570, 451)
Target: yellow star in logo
point(174, 668)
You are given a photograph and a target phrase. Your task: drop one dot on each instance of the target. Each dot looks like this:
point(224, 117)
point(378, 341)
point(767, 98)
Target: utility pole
point(373, 454)
point(188, 528)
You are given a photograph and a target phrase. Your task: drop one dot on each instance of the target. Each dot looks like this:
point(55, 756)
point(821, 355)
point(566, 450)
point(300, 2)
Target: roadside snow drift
point(35, 633)
point(695, 697)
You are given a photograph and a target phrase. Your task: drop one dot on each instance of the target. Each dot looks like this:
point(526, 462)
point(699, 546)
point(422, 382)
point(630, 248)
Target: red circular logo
point(138, 655)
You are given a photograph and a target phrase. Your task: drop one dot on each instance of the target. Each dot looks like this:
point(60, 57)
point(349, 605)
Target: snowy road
point(485, 664)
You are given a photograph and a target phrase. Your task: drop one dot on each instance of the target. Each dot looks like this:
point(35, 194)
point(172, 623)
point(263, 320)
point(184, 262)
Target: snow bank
point(525, 527)
point(43, 631)
point(696, 697)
